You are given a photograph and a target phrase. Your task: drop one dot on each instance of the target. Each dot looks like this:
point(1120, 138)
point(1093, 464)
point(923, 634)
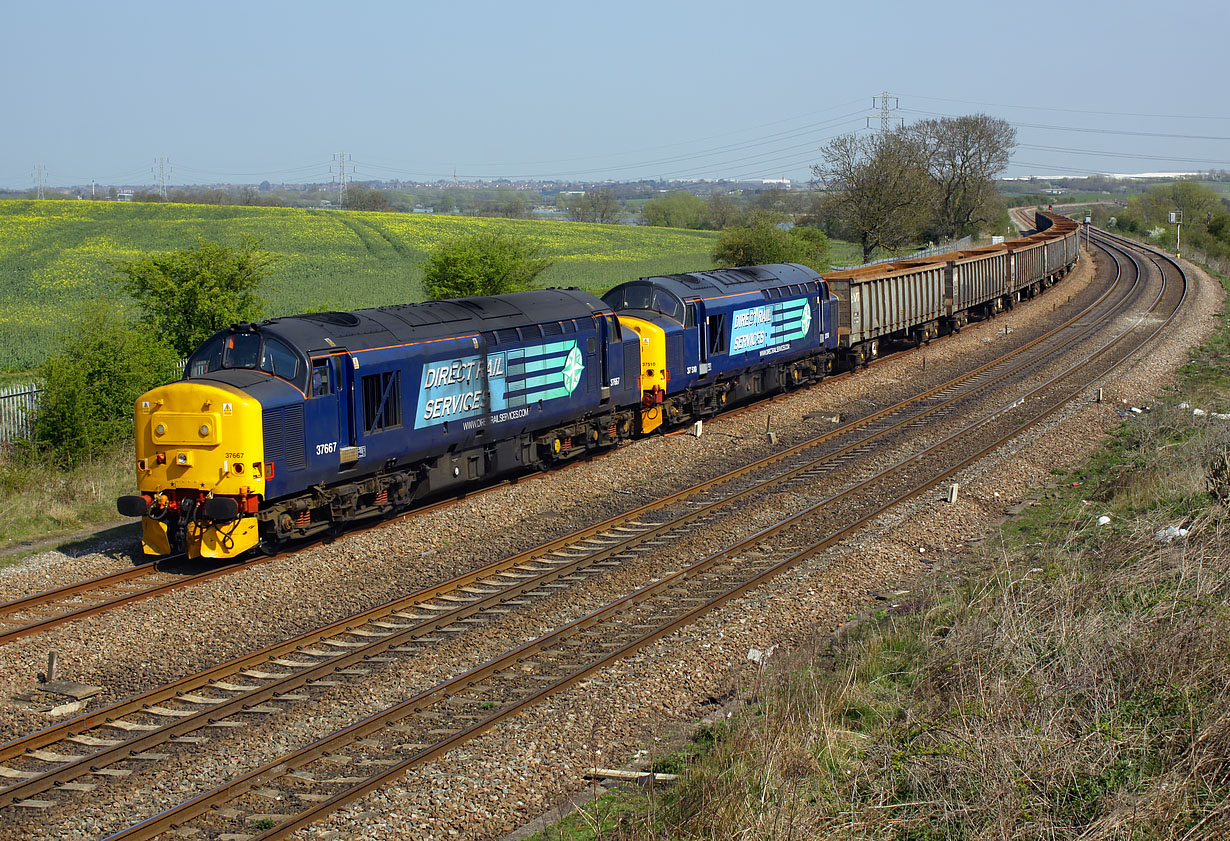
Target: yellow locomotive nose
point(199, 469)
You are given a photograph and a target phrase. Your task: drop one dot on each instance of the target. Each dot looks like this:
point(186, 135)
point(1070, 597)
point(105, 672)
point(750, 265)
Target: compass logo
point(574, 366)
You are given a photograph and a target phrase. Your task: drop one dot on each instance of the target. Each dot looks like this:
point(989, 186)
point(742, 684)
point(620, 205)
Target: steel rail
point(221, 707)
point(205, 802)
point(8, 750)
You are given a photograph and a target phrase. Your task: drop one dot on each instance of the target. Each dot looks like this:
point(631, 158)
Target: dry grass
point(38, 500)
point(1081, 693)
point(1071, 683)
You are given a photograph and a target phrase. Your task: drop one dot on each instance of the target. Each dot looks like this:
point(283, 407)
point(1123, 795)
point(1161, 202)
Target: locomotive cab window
point(322, 377)
point(243, 350)
point(279, 360)
point(638, 296)
point(667, 304)
point(250, 351)
point(208, 357)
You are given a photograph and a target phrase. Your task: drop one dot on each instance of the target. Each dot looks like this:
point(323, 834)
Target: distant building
point(776, 182)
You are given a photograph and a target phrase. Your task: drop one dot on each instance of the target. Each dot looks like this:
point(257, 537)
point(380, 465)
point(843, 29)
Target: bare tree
point(594, 206)
point(879, 187)
point(964, 154)
point(723, 210)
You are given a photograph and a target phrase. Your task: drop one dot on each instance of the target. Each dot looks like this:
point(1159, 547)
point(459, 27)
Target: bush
point(482, 264)
point(90, 388)
point(764, 242)
point(190, 294)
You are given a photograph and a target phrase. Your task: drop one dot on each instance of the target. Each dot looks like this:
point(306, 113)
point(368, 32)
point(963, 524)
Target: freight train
point(299, 425)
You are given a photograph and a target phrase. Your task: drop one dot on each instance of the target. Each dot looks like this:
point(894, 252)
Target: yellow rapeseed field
point(56, 256)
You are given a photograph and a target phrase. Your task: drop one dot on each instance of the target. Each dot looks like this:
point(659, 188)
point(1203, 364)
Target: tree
point(676, 209)
point(764, 241)
point(89, 389)
point(594, 206)
point(508, 203)
point(879, 187)
point(189, 294)
point(722, 211)
point(964, 154)
point(482, 264)
point(363, 197)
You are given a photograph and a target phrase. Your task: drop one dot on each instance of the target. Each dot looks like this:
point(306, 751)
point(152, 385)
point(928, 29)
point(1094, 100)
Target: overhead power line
point(1205, 116)
point(1121, 132)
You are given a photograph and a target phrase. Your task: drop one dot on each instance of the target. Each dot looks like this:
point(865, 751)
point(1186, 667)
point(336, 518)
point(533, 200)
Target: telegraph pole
point(341, 159)
point(40, 178)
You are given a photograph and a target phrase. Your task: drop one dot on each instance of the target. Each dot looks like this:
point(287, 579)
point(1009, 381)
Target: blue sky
point(241, 92)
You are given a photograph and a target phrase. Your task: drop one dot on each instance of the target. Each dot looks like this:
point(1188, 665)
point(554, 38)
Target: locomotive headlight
point(204, 430)
point(160, 430)
point(182, 459)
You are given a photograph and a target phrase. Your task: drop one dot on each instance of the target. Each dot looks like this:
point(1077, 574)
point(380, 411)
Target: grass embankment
point(56, 255)
point(1071, 682)
point(37, 501)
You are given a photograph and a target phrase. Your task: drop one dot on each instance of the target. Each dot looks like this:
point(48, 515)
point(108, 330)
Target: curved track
point(582, 646)
point(431, 723)
point(41, 611)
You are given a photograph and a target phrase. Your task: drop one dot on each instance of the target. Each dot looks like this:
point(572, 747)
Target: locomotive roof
point(728, 281)
point(404, 323)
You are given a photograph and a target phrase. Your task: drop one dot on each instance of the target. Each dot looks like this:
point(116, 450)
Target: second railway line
point(695, 550)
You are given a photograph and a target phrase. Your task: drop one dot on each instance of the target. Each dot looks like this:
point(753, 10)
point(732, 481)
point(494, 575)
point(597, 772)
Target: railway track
point(42, 611)
point(266, 681)
point(340, 768)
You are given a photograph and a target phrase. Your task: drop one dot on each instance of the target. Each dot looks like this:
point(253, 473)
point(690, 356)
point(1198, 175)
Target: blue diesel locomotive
point(708, 338)
point(295, 425)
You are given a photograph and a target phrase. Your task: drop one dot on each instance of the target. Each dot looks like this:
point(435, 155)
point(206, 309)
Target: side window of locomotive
point(381, 401)
point(691, 322)
point(322, 374)
point(339, 374)
point(718, 340)
point(279, 360)
point(668, 305)
point(207, 358)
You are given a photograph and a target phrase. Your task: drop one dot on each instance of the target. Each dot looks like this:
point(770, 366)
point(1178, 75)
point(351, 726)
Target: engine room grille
point(284, 437)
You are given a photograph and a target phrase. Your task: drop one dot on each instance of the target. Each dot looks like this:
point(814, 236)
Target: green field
point(56, 256)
